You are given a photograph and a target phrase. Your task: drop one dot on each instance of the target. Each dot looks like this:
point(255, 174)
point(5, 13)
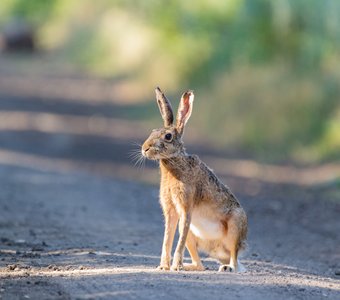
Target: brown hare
point(210, 217)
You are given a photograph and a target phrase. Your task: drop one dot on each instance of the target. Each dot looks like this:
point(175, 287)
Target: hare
point(210, 217)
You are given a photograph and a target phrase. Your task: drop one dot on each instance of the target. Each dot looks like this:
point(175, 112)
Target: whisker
point(135, 153)
point(136, 157)
point(140, 163)
point(136, 144)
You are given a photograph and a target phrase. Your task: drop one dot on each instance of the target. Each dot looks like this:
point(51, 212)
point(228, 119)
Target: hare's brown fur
point(210, 217)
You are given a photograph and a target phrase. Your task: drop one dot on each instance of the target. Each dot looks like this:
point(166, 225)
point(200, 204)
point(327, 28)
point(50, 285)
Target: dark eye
point(168, 136)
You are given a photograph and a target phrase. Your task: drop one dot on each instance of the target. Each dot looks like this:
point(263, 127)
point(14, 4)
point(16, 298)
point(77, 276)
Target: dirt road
point(69, 232)
point(76, 236)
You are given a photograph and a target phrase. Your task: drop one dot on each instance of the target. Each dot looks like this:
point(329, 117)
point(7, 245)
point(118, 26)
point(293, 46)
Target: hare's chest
point(205, 226)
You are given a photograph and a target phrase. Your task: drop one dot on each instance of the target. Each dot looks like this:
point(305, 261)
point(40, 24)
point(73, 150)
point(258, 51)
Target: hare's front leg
point(171, 220)
point(184, 224)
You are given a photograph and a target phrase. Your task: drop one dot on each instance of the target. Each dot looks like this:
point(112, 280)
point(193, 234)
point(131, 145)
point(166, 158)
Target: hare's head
point(166, 142)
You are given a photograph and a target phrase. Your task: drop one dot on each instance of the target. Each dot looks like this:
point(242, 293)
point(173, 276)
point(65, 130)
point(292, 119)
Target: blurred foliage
point(35, 12)
point(266, 73)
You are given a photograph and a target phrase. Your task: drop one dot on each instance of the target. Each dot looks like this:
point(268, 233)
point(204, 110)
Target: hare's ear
point(164, 108)
point(184, 110)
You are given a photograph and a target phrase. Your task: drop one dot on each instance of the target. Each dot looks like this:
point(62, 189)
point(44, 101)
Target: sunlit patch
point(68, 88)
point(270, 275)
point(72, 124)
point(258, 272)
point(250, 169)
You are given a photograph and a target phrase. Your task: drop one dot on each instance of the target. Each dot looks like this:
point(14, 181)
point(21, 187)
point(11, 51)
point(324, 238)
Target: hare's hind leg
point(231, 243)
point(191, 245)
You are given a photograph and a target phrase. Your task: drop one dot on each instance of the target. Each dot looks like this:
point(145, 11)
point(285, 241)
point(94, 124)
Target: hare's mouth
point(151, 153)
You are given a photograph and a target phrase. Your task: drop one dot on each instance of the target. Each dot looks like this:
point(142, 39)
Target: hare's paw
point(193, 267)
point(163, 268)
point(177, 263)
point(226, 268)
point(177, 267)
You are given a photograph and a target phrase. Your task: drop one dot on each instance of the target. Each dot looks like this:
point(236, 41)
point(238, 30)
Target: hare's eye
point(168, 136)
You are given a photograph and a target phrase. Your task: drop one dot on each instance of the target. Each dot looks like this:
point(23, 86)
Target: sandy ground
point(70, 229)
point(76, 236)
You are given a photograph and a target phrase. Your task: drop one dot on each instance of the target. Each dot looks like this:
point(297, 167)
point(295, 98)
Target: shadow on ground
point(70, 227)
point(83, 236)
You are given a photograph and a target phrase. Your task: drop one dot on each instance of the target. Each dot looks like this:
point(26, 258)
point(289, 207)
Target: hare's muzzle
point(145, 148)
point(144, 151)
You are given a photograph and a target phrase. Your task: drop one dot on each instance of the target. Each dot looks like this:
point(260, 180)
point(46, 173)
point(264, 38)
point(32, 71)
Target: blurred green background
point(266, 73)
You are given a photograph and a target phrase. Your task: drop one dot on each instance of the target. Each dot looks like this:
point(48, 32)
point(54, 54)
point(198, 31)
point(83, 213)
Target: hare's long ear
point(184, 110)
point(164, 108)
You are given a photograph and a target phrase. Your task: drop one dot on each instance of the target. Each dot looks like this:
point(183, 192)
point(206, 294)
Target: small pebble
point(12, 267)
point(37, 248)
point(20, 241)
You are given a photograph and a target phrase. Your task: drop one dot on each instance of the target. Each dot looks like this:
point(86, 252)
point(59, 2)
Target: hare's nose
point(145, 150)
